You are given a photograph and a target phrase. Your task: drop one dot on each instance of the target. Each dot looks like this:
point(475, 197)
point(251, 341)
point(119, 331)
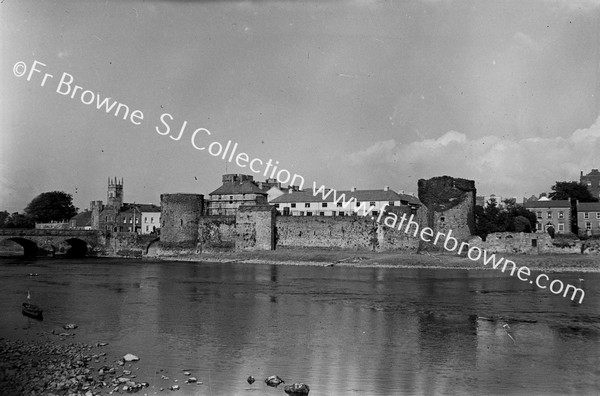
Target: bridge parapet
point(47, 232)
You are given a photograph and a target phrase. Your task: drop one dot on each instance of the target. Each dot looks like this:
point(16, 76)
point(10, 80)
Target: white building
point(304, 203)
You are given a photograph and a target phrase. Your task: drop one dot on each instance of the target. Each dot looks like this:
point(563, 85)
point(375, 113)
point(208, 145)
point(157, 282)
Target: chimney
point(290, 190)
point(386, 188)
point(353, 189)
point(260, 185)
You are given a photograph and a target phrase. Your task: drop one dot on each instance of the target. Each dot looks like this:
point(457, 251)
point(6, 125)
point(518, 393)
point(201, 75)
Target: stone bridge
point(42, 242)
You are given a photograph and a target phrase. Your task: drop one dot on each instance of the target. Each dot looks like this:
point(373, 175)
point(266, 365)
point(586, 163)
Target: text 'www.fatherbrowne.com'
point(409, 226)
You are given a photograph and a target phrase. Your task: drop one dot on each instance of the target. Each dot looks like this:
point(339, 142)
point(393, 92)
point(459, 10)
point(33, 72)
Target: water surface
point(343, 331)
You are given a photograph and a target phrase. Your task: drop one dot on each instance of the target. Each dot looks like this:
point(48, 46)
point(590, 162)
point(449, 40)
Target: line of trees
point(45, 208)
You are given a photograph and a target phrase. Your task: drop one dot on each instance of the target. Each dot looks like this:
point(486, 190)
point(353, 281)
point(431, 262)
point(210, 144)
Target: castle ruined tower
point(115, 193)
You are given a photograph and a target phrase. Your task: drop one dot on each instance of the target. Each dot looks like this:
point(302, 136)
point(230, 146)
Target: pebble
point(130, 358)
point(48, 368)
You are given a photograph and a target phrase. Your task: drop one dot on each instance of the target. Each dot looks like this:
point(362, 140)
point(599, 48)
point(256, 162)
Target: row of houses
point(240, 190)
point(557, 214)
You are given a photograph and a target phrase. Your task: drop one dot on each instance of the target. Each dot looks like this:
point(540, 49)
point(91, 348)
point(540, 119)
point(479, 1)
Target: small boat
point(33, 311)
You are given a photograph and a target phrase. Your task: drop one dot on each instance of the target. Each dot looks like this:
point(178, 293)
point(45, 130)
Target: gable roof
point(358, 195)
point(82, 219)
point(245, 187)
point(588, 207)
point(563, 203)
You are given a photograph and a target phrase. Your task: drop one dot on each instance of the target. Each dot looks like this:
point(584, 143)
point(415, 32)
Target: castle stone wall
point(255, 227)
point(216, 233)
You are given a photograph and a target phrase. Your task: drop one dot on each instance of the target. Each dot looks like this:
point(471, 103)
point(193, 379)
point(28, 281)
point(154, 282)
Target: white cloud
point(497, 164)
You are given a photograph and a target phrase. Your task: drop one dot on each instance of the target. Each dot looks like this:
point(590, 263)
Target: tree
point(3, 217)
point(508, 216)
point(18, 220)
point(574, 191)
point(51, 206)
point(571, 190)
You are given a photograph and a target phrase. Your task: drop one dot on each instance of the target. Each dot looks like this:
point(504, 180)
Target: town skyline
point(347, 94)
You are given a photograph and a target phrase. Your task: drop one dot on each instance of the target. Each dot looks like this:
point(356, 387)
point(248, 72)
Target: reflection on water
point(343, 331)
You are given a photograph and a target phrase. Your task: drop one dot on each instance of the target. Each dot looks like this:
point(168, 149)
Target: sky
point(357, 93)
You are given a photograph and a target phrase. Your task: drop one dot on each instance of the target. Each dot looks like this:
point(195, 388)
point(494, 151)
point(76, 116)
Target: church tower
point(115, 193)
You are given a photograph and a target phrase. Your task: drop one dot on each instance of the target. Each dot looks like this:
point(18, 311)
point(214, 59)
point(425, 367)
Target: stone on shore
point(297, 389)
point(130, 358)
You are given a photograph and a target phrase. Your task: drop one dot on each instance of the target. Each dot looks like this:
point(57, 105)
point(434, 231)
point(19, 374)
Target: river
point(341, 330)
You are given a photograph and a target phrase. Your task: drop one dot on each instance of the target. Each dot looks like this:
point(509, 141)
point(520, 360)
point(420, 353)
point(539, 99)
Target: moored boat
point(32, 310)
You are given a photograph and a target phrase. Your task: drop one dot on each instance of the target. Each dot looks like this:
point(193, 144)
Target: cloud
point(497, 164)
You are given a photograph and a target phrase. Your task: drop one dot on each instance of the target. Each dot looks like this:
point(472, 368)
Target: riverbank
point(340, 257)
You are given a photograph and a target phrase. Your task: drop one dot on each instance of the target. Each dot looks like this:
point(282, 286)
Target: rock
point(191, 380)
point(101, 344)
point(126, 372)
point(130, 358)
point(174, 387)
point(70, 326)
point(274, 381)
point(250, 380)
point(297, 389)
point(187, 373)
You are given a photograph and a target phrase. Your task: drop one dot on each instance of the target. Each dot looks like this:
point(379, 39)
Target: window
point(372, 203)
point(341, 213)
point(539, 215)
point(588, 225)
point(307, 205)
point(145, 219)
point(137, 220)
point(534, 243)
point(321, 213)
point(231, 197)
point(375, 213)
point(293, 205)
point(324, 205)
point(357, 203)
point(301, 213)
point(309, 213)
point(124, 220)
point(561, 227)
point(152, 220)
point(339, 205)
point(598, 215)
point(276, 205)
point(586, 215)
point(539, 226)
point(146, 228)
point(561, 215)
point(391, 203)
point(106, 219)
point(549, 215)
point(130, 220)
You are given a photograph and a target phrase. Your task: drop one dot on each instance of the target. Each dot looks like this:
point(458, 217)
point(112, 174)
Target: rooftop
point(237, 187)
point(358, 195)
point(588, 207)
point(564, 203)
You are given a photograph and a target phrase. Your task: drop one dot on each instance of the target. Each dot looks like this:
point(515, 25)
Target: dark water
point(343, 331)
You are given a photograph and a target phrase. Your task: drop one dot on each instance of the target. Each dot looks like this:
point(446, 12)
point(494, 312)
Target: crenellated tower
point(115, 193)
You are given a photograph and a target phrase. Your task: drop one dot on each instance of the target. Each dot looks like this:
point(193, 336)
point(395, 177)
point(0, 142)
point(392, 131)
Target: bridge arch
point(79, 247)
point(30, 248)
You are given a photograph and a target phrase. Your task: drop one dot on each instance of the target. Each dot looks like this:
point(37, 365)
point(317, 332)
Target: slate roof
point(359, 195)
point(564, 203)
point(245, 187)
point(588, 207)
point(82, 219)
point(130, 207)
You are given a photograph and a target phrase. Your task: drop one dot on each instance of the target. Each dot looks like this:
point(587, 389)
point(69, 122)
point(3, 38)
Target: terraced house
point(305, 203)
